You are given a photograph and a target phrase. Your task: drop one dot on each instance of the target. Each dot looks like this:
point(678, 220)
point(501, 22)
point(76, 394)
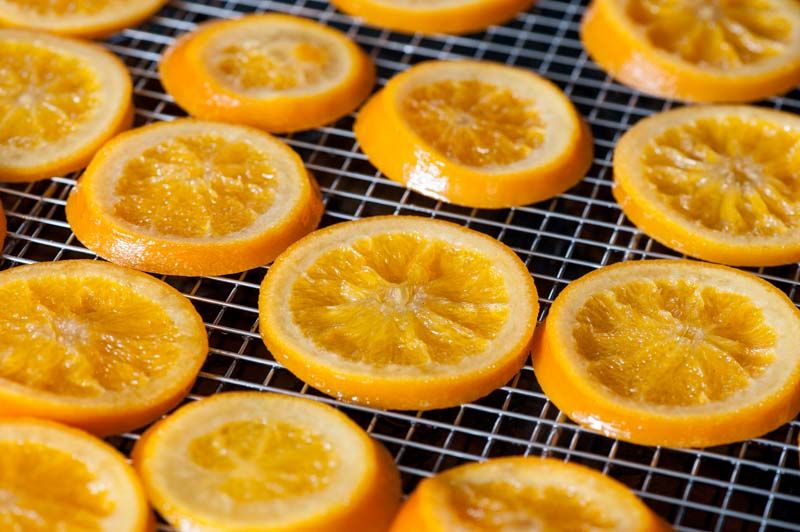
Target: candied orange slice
point(524, 494)
point(276, 72)
point(54, 477)
point(261, 461)
point(194, 198)
point(399, 312)
point(60, 100)
point(77, 18)
point(672, 352)
point(95, 345)
point(701, 51)
point(718, 183)
point(434, 16)
point(474, 133)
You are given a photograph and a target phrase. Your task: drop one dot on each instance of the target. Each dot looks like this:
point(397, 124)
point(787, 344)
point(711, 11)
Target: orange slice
point(672, 352)
point(434, 16)
point(193, 198)
point(276, 72)
point(95, 345)
point(78, 18)
point(260, 461)
point(718, 183)
point(721, 51)
point(399, 312)
point(54, 477)
point(60, 100)
point(475, 133)
point(519, 494)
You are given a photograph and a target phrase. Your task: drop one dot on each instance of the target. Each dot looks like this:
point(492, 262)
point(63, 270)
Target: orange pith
point(473, 122)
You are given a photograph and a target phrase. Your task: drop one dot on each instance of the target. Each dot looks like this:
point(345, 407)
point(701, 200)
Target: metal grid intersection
point(753, 485)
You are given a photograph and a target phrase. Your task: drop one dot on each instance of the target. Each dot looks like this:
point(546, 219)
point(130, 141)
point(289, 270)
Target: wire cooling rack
point(753, 485)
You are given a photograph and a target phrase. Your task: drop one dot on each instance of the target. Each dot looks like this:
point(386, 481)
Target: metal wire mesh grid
point(753, 485)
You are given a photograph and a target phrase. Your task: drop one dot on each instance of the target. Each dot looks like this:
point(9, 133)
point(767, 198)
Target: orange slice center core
point(729, 174)
point(673, 343)
point(400, 298)
point(44, 489)
point(44, 95)
point(714, 33)
point(473, 122)
point(255, 462)
point(214, 186)
point(82, 337)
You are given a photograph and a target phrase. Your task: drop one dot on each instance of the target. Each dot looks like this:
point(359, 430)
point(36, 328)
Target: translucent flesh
point(44, 96)
point(401, 299)
point(729, 174)
point(83, 337)
point(513, 506)
point(213, 186)
point(65, 7)
point(715, 33)
point(252, 461)
point(474, 123)
point(276, 61)
point(44, 489)
point(673, 342)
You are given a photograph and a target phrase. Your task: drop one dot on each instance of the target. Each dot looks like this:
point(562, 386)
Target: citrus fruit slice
point(434, 16)
point(193, 198)
point(77, 18)
point(54, 477)
point(524, 494)
point(722, 51)
point(276, 72)
point(95, 345)
point(60, 100)
point(399, 312)
point(474, 133)
point(260, 461)
point(718, 183)
point(672, 352)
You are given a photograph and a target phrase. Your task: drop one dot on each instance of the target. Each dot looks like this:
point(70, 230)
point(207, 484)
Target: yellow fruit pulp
point(215, 186)
point(673, 343)
point(44, 95)
point(65, 7)
point(719, 33)
point(251, 461)
point(82, 337)
point(473, 122)
point(44, 489)
point(729, 174)
point(399, 298)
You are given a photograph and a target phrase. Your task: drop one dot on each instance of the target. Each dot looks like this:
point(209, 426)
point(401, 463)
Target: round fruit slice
point(718, 183)
point(672, 352)
point(399, 312)
point(524, 494)
point(434, 16)
point(193, 198)
point(474, 133)
point(728, 51)
point(95, 345)
point(78, 18)
point(260, 461)
point(60, 100)
point(275, 72)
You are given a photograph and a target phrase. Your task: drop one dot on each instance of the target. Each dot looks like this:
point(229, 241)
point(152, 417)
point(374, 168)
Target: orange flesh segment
point(66, 7)
point(42, 488)
point(216, 186)
point(44, 95)
point(251, 461)
point(673, 343)
point(398, 298)
point(473, 122)
point(83, 337)
point(729, 174)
